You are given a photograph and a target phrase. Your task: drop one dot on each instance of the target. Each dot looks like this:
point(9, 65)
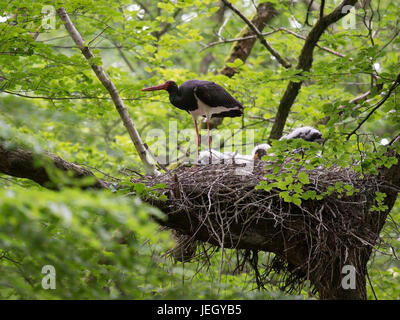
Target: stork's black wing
point(214, 95)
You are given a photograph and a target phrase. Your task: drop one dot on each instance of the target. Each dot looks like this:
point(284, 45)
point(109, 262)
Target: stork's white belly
point(207, 111)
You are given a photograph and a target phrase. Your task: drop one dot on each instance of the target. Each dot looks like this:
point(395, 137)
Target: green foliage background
point(51, 100)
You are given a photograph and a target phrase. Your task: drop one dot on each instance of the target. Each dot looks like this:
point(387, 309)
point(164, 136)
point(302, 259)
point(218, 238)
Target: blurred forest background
point(50, 100)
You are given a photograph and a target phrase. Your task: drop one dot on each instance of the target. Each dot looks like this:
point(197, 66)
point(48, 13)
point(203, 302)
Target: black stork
point(201, 98)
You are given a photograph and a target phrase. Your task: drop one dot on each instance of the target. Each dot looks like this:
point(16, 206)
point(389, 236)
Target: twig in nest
point(177, 191)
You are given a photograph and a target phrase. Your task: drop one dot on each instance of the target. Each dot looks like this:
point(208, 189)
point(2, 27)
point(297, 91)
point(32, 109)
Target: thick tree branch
point(25, 164)
point(109, 85)
point(304, 64)
point(260, 37)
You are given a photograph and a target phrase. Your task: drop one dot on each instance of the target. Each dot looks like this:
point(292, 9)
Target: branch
point(212, 44)
point(309, 7)
point(109, 85)
point(379, 104)
point(260, 37)
point(123, 56)
point(353, 101)
point(304, 64)
point(220, 22)
point(25, 164)
point(167, 26)
point(321, 9)
point(222, 40)
point(242, 47)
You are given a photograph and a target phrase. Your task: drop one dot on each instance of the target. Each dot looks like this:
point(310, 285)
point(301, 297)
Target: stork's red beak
point(160, 87)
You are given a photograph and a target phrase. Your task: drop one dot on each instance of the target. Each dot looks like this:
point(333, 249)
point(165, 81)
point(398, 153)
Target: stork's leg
point(196, 157)
point(209, 139)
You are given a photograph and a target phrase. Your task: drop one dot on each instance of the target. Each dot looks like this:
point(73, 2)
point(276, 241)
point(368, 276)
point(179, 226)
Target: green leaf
point(303, 177)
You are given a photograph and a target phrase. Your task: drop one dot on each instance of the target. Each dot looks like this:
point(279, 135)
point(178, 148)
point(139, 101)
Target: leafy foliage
point(51, 100)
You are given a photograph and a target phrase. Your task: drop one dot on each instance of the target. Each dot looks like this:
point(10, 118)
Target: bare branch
point(101, 32)
point(123, 56)
point(379, 104)
point(260, 37)
point(241, 49)
point(355, 101)
point(109, 85)
point(222, 41)
point(167, 26)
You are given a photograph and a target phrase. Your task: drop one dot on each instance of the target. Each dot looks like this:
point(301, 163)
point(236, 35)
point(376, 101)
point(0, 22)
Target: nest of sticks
point(219, 206)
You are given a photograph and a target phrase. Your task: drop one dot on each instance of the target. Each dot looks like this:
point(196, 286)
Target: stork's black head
point(170, 86)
